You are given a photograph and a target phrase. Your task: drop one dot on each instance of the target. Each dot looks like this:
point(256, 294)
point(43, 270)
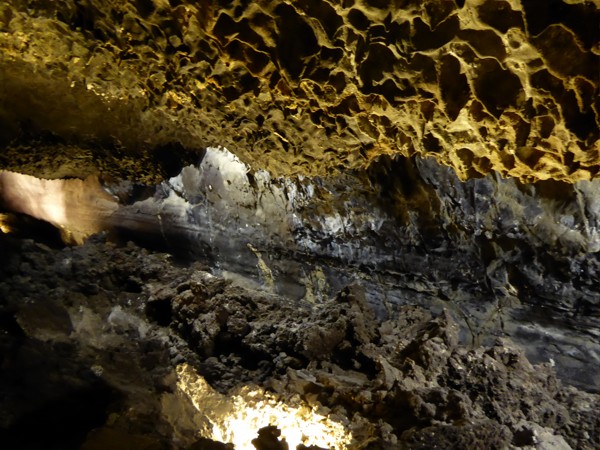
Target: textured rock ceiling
point(311, 87)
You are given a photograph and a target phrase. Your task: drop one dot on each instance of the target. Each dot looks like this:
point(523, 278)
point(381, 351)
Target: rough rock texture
point(120, 324)
point(308, 87)
point(509, 258)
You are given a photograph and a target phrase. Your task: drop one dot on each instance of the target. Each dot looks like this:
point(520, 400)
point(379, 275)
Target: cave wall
point(309, 87)
point(375, 97)
point(508, 259)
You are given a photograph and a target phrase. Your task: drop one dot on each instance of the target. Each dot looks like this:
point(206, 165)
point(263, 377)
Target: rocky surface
point(309, 87)
point(78, 208)
point(118, 342)
point(509, 258)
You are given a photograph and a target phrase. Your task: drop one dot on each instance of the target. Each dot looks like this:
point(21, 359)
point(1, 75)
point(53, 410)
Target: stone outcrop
point(310, 87)
point(507, 258)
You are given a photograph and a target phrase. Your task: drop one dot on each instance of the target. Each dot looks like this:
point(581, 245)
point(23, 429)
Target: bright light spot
point(5, 223)
point(237, 418)
point(77, 207)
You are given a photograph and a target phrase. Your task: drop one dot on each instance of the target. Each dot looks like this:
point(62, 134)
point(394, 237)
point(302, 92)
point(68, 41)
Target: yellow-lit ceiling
point(301, 87)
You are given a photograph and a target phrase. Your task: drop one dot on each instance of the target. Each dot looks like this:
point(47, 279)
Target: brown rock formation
point(109, 338)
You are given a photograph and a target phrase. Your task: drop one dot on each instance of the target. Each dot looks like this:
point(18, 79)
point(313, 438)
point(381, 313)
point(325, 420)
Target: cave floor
point(115, 346)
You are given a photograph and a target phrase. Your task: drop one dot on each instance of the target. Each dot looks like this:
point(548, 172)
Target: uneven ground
point(103, 338)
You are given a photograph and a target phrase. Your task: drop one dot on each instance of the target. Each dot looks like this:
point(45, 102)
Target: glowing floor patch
point(237, 418)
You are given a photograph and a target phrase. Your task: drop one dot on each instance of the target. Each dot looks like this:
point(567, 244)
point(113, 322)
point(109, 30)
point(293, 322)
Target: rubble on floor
point(112, 346)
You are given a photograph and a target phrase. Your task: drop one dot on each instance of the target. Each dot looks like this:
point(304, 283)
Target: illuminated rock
point(79, 208)
point(510, 257)
point(310, 87)
point(238, 416)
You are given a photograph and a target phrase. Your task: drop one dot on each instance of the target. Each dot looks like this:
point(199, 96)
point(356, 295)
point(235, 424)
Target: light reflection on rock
point(79, 208)
point(237, 417)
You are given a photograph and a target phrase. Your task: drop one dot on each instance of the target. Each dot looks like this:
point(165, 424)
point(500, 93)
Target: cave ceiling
point(138, 88)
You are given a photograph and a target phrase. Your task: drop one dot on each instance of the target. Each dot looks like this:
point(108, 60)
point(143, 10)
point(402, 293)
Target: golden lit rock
point(311, 87)
point(5, 226)
point(237, 417)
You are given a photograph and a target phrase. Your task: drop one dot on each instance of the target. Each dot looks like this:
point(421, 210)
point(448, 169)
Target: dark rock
point(268, 439)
